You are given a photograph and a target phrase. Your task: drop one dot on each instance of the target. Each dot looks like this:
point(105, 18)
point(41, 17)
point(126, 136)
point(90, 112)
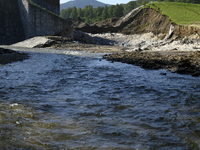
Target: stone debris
point(148, 41)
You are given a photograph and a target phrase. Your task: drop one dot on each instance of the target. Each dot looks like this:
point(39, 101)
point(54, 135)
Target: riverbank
point(9, 56)
point(182, 62)
point(90, 48)
point(146, 50)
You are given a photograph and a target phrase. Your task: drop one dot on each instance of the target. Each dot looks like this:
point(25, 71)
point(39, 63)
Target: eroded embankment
point(183, 31)
point(139, 21)
point(147, 20)
point(177, 61)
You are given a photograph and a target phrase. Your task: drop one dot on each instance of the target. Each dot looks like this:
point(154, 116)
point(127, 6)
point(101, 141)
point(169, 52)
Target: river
point(73, 100)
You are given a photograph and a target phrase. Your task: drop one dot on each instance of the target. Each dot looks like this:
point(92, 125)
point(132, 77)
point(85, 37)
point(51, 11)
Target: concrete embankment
point(11, 28)
point(20, 20)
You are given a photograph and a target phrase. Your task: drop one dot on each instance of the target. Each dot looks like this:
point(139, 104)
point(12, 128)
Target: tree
point(86, 11)
point(98, 13)
point(130, 6)
point(80, 12)
point(118, 11)
point(62, 13)
point(110, 11)
point(105, 13)
point(90, 10)
point(74, 13)
point(65, 13)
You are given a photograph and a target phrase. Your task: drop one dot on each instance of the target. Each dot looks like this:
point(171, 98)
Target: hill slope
point(82, 4)
point(155, 17)
point(179, 13)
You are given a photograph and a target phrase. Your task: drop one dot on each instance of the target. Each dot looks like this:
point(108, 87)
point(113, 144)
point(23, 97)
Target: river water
point(74, 100)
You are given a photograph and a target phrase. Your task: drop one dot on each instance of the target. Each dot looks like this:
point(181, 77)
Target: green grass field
point(179, 13)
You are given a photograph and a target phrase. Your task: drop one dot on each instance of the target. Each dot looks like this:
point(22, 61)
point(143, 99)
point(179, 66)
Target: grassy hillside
point(179, 13)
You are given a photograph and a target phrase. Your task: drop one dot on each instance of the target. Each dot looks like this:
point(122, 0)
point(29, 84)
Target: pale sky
point(112, 2)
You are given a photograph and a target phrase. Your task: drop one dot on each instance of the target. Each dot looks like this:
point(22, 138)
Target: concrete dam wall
point(11, 28)
point(20, 20)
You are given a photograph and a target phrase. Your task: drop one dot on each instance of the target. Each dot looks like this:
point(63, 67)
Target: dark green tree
point(118, 11)
point(86, 12)
point(110, 11)
point(98, 13)
point(74, 13)
point(90, 9)
point(65, 13)
point(80, 12)
point(129, 6)
point(105, 13)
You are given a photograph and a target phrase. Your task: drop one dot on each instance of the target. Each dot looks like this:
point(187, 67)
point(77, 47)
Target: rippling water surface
point(63, 101)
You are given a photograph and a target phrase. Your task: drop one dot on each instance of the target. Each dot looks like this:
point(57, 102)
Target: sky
point(112, 2)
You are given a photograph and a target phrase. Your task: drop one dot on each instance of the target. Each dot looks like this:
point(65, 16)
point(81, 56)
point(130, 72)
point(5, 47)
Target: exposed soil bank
point(9, 56)
point(136, 22)
point(177, 61)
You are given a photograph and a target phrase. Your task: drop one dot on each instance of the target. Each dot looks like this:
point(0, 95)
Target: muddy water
point(69, 101)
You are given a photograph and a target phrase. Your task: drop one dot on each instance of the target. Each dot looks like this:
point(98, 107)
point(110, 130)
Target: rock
point(182, 71)
point(138, 50)
point(4, 51)
point(163, 73)
point(83, 37)
point(196, 74)
point(9, 56)
point(55, 38)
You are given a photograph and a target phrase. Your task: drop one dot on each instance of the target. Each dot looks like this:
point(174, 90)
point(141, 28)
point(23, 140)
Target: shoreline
point(131, 49)
point(9, 56)
point(179, 56)
point(181, 62)
point(90, 48)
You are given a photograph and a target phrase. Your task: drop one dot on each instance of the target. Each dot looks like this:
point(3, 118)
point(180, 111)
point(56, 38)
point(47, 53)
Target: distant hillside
point(82, 4)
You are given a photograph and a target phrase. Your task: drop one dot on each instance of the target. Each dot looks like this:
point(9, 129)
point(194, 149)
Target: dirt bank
point(138, 21)
point(9, 56)
point(177, 61)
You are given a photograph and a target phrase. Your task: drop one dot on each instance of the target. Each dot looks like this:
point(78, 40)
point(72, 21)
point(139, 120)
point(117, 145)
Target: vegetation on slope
point(179, 13)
